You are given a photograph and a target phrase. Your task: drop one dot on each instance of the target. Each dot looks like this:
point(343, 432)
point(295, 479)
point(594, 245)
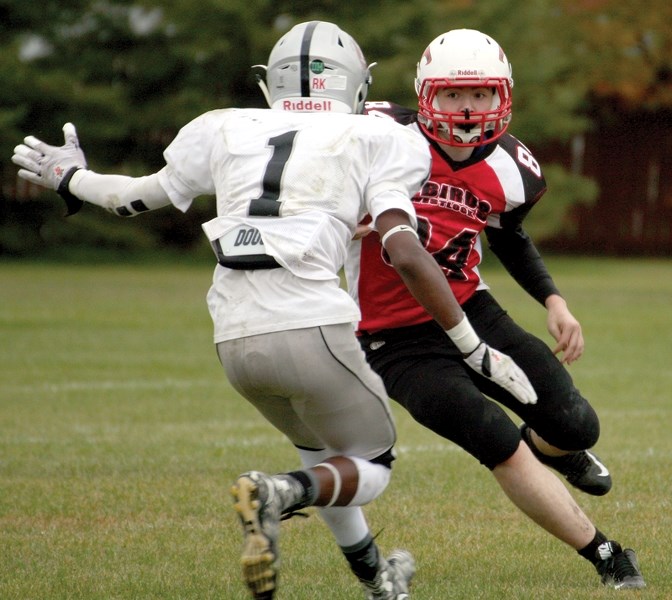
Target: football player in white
point(291, 184)
point(484, 180)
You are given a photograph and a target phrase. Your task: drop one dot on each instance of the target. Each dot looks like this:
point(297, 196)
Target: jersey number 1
point(268, 204)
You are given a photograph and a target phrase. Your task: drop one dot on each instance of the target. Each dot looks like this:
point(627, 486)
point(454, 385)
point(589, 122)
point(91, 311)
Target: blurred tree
point(626, 51)
point(129, 73)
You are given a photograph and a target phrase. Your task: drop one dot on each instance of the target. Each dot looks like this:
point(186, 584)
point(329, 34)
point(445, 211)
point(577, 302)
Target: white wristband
point(397, 229)
point(464, 336)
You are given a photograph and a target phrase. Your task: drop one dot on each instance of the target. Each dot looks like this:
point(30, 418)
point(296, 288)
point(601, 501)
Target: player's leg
point(562, 426)
point(542, 497)
point(424, 373)
point(354, 538)
point(431, 382)
point(366, 410)
point(321, 393)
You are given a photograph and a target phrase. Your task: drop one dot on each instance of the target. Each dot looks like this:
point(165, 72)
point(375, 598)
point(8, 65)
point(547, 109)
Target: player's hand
point(46, 165)
point(52, 166)
point(565, 329)
point(502, 370)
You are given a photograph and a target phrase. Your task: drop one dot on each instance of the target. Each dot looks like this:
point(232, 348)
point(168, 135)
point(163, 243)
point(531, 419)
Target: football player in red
point(484, 180)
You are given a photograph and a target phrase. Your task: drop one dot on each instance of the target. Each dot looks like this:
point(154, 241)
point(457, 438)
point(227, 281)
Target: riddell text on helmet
point(307, 105)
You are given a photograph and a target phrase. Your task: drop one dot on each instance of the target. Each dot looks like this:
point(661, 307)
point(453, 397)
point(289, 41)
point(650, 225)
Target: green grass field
point(120, 437)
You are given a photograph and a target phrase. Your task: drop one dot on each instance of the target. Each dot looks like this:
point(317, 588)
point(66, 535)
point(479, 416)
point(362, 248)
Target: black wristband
point(72, 203)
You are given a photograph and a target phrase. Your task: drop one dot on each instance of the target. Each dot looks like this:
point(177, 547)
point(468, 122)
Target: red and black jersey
point(490, 192)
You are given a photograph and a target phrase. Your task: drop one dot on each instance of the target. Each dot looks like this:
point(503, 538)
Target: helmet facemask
point(465, 128)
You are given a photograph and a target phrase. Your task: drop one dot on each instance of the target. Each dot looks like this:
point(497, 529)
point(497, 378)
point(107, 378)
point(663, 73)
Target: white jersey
point(294, 187)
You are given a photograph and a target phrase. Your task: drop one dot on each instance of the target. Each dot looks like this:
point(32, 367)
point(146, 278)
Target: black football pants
point(424, 372)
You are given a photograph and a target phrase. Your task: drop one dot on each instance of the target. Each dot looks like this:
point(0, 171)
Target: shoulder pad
point(399, 113)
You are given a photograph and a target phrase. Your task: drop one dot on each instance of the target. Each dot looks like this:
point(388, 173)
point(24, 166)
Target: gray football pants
point(315, 386)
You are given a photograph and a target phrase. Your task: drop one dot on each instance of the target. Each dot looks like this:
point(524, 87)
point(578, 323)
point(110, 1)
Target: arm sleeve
point(516, 251)
point(122, 195)
point(187, 173)
point(399, 169)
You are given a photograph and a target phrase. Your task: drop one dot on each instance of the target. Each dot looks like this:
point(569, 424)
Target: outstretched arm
point(122, 195)
point(64, 169)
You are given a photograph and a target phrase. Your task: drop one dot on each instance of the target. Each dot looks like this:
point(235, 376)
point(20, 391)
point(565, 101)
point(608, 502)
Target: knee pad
point(582, 428)
point(575, 427)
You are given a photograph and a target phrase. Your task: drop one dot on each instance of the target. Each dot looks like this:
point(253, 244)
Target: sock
point(300, 490)
point(363, 558)
point(590, 551)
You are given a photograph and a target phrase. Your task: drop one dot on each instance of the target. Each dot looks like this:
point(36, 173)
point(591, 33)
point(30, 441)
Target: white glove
point(52, 166)
point(502, 370)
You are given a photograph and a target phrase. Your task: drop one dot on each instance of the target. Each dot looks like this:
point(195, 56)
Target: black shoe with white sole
point(619, 568)
point(583, 469)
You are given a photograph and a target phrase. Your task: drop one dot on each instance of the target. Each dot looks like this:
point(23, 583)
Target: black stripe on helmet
point(305, 58)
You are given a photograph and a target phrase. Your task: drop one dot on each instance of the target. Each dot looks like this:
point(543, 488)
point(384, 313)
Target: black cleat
point(619, 568)
point(582, 469)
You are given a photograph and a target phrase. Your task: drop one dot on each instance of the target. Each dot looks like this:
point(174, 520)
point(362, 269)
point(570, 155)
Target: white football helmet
point(464, 58)
point(316, 66)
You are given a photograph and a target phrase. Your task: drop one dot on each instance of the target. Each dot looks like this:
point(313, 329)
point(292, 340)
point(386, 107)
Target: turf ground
point(119, 438)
